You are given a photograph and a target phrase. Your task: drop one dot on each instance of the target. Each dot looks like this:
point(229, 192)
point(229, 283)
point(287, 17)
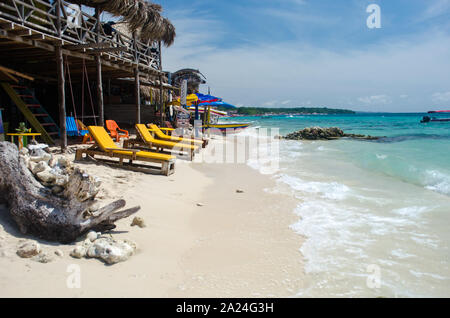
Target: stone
point(318, 133)
point(46, 177)
point(64, 162)
point(78, 252)
point(137, 221)
point(46, 157)
point(87, 243)
point(24, 151)
point(40, 167)
point(31, 165)
point(239, 191)
point(111, 251)
point(43, 258)
point(29, 249)
point(59, 253)
point(57, 189)
point(92, 236)
point(61, 180)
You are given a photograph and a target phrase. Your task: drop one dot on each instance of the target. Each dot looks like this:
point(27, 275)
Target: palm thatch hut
point(71, 64)
point(194, 79)
point(142, 20)
point(141, 16)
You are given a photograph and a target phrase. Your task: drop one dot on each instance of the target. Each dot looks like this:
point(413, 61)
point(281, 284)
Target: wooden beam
point(108, 49)
point(8, 76)
point(8, 70)
point(22, 32)
point(7, 25)
point(86, 46)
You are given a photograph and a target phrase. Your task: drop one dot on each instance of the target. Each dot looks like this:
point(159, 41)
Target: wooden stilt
point(161, 91)
point(137, 93)
point(98, 62)
point(61, 98)
point(61, 83)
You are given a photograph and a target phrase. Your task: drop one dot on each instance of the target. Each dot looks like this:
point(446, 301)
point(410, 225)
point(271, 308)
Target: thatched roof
point(141, 16)
point(194, 77)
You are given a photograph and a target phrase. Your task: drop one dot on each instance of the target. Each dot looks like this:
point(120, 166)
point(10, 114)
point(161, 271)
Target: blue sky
point(288, 53)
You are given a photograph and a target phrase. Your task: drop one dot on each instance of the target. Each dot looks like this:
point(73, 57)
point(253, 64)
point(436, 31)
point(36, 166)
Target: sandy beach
point(203, 239)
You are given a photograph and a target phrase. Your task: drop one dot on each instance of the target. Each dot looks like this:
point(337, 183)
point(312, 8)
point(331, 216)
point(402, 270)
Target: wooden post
point(137, 94)
point(98, 62)
point(137, 82)
point(161, 91)
point(208, 118)
point(61, 82)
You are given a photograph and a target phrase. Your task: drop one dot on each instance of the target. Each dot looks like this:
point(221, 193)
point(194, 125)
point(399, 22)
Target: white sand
point(236, 245)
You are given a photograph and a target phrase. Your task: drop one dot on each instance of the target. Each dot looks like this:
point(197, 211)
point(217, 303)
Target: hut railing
point(78, 27)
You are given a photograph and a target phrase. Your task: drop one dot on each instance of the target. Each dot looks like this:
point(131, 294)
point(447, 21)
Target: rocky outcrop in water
point(318, 133)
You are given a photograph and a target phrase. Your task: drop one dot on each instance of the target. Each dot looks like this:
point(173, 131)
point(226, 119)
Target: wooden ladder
point(33, 111)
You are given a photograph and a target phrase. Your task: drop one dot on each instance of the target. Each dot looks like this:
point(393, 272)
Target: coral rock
point(29, 249)
point(111, 251)
point(43, 258)
point(137, 221)
point(78, 252)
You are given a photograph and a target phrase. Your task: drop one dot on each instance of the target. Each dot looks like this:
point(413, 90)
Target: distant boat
point(438, 111)
point(428, 119)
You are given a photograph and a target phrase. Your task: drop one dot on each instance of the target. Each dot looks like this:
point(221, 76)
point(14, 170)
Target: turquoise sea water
point(372, 211)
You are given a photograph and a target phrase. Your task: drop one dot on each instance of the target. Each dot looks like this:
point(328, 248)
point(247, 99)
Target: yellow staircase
point(33, 111)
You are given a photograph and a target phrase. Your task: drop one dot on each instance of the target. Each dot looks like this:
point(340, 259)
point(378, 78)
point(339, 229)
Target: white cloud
point(284, 103)
point(441, 97)
point(436, 8)
point(270, 103)
point(376, 100)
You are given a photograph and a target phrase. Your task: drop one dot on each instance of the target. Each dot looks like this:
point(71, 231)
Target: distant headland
point(263, 111)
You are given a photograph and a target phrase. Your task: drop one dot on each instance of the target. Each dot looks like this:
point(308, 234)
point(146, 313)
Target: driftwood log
point(38, 211)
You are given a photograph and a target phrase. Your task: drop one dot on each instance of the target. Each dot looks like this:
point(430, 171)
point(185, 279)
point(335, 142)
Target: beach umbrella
point(207, 98)
point(218, 104)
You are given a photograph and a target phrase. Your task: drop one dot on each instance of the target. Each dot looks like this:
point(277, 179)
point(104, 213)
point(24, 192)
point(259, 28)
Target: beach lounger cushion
point(105, 143)
point(163, 136)
point(147, 137)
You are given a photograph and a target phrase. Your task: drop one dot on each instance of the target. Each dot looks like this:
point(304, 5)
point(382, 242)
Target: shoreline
point(235, 245)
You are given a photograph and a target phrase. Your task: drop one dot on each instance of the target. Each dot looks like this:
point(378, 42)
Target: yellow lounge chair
point(146, 140)
point(105, 146)
point(163, 136)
